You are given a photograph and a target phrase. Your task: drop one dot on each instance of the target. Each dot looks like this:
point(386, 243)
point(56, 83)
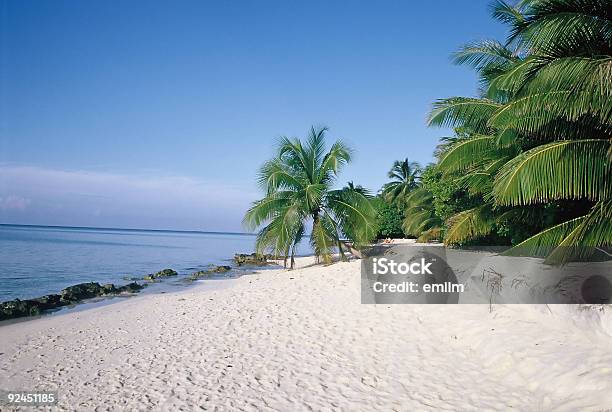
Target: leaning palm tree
point(404, 177)
point(298, 183)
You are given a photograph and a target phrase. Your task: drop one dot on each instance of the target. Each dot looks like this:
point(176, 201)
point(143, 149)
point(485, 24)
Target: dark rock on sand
point(130, 288)
point(161, 274)
point(18, 308)
point(209, 272)
point(49, 301)
point(81, 291)
point(256, 259)
point(31, 307)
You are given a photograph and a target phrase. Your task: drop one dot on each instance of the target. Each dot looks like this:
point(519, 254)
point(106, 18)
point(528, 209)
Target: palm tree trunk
point(315, 221)
point(285, 257)
point(293, 257)
point(341, 252)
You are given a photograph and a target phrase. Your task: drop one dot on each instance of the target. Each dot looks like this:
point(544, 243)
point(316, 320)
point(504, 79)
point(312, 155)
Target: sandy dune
point(301, 340)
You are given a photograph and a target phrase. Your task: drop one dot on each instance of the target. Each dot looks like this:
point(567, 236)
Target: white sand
point(301, 340)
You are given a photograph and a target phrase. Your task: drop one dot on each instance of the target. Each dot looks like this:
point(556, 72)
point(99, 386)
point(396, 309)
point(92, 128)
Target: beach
point(301, 340)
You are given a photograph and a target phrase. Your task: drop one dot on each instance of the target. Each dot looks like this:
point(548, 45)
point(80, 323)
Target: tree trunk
point(293, 257)
point(286, 257)
point(315, 221)
point(341, 252)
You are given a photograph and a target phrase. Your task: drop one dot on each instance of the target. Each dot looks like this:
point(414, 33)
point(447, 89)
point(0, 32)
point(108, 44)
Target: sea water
point(39, 260)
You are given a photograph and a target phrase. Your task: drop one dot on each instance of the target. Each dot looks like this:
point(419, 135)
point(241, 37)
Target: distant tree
point(404, 177)
point(390, 219)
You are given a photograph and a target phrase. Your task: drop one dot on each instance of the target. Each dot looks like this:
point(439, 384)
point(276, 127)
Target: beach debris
point(73, 294)
point(161, 274)
point(256, 259)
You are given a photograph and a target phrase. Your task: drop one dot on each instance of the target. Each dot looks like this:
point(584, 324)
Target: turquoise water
point(38, 260)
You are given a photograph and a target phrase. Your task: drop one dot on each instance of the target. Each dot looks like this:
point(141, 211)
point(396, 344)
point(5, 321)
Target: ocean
point(39, 260)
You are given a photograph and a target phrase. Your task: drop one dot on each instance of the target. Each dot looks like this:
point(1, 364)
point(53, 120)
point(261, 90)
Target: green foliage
point(567, 169)
point(404, 177)
point(390, 219)
point(539, 134)
point(298, 185)
point(470, 224)
point(448, 196)
point(420, 216)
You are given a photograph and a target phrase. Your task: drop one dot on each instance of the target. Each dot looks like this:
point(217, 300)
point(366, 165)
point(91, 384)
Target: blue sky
point(158, 114)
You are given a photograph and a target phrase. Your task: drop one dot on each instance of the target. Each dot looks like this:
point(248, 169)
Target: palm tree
point(298, 184)
point(405, 176)
point(540, 130)
point(357, 188)
point(420, 217)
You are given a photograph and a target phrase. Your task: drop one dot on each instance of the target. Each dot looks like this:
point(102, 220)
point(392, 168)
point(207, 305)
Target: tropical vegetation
point(389, 219)
point(404, 177)
point(530, 162)
point(299, 194)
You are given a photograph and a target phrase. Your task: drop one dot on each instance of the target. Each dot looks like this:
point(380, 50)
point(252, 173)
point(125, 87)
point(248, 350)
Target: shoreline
point(301, 339)
point(203, 285)
point(92, 293)
point(138, 286)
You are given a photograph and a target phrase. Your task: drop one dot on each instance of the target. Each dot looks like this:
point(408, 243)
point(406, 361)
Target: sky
point(157, 114)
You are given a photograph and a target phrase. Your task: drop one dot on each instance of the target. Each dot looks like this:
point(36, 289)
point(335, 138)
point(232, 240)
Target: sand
point(301, 340)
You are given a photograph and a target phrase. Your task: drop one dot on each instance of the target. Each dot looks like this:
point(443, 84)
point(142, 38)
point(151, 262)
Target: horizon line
point(213, 232)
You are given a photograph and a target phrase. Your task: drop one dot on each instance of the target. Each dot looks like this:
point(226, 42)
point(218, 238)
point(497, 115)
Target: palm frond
point(490, 58)
point(339, 154)
point(355, 213)
point(565, 26)
point(572, 169)
point(594, 230)
point(435, 233)
point(506, 13)
point(266, 209)
point(323, 239)
point(469, 224)
point(466, 153)
point(543, 243)
point(463, 111)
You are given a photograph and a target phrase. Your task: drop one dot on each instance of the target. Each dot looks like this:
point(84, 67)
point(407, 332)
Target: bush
point(390, 220)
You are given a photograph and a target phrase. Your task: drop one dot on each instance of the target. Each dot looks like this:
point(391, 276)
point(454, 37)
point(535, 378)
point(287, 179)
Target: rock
point(109, 289)
point(18, 308)
point(209, 272)
point(130, 288)
point(199, 274)
point(34, 310)
point(49, 301)
point(252, 259)
point(81, 291)
point(14, 309)
point(161, 274)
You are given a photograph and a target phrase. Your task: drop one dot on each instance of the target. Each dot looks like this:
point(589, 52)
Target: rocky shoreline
point(18, 308)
